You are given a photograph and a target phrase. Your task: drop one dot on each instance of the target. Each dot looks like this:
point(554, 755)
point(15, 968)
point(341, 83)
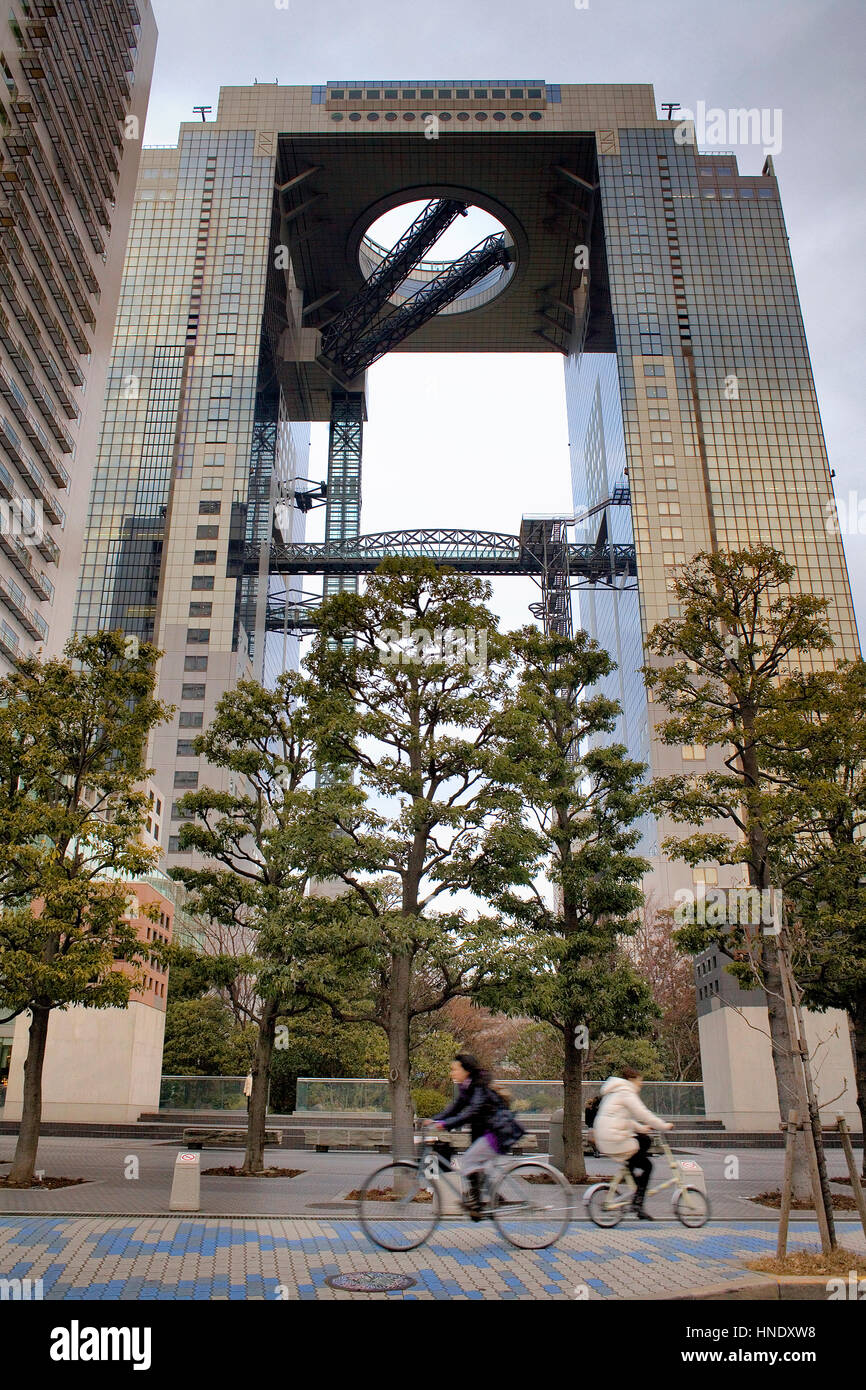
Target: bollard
point(186, 1184)
point(449, 1194)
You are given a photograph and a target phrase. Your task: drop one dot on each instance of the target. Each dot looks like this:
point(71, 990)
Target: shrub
point(428, 1102)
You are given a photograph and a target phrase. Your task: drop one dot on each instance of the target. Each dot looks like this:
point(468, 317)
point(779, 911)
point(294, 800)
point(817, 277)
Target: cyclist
point(622, 1130)
point(492, 1126)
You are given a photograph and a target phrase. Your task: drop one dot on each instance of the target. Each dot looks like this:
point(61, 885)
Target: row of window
point(443, 115)
point(434, 93)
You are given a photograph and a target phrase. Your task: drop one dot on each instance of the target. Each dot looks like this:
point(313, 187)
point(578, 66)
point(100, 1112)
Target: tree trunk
point(24, 1162)
point(254, 1158)
point(572, 1116)
point(858, 1040)
point(399, 1093)
point(788, 1091)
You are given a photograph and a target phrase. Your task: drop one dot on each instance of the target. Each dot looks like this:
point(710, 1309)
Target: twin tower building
point(248, 299)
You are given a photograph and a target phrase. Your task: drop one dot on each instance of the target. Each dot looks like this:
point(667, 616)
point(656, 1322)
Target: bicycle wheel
point(531, 1204)
point(600, 1212)
point(399, 1207)
point(692, 1207)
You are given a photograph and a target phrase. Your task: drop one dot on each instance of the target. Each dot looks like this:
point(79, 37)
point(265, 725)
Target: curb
point(776, 1288)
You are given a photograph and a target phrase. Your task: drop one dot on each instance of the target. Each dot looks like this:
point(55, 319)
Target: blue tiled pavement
point(208, 1258)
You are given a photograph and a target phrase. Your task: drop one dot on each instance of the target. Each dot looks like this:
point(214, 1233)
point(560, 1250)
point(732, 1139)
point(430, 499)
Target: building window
point(200, 610)
point(186, 748)
point(192, 692)
point(694, 753)
point(189, 780)
point(174, 845)
point(653, 369)
point(202, 581)
point(207, 533)
point(195, 663)
point(205, 557)
point(178, 814)
point(191, 719)
point(656, 393)
point(209, 508)
point(198, 634)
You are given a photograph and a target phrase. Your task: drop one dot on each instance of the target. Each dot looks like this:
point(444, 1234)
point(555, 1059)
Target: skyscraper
point(77, 77)
point(255, 297)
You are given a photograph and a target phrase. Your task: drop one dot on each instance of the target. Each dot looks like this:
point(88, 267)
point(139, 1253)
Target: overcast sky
point(477, 440)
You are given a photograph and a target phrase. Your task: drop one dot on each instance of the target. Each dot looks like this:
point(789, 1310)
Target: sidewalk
point(324, 1181)
point(193, 1258)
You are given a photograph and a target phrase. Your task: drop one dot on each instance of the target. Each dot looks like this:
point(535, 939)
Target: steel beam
point(343, 513)
point(472, 552)
point(430, 300)
point(397, 265)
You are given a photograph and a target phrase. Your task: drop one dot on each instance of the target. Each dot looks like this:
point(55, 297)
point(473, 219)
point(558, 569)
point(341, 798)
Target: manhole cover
point(370, 1282)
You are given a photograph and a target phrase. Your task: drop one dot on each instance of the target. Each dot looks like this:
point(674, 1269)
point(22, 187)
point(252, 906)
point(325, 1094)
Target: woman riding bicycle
point(492, 1126)
point(622, 1130)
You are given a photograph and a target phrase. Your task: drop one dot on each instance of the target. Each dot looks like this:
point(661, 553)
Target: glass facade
point(75, 84)
point(708, 406)
point(610, 613)
point(194, 442)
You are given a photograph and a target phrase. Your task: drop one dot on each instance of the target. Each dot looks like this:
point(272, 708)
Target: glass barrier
point(681, 1098)
point(336, 1094)
point(202, 1093)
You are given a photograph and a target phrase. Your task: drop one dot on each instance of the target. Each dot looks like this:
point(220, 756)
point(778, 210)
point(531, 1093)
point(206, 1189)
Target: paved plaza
point(177, 1258)
point(112, 1237)
point(131, 1177)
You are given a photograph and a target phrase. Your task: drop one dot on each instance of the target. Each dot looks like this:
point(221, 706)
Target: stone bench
point(359, 1138)
point(216, 1137)
point(368, 1138)
point(460, 1139)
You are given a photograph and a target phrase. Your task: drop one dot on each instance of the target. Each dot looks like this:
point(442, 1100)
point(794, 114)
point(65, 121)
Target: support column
point(343, 514)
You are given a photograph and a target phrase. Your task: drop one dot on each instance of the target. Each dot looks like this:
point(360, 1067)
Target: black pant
point(640, 1164)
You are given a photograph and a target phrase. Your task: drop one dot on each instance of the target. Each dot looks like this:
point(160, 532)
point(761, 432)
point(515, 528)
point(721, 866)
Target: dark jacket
point(475, 1107)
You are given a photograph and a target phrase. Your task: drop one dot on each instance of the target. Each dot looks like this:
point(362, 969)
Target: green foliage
point(314, 1044)
point(431, 1056)
point(259, 845)
point(575, 808)
point(609, 1055)
point(202, 1039)
point(536, 1053)
point(72, 740)
point(722, 679)
point(428, 1102)
point(418, 735)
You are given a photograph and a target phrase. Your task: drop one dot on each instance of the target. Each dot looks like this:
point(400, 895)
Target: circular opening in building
point(467, 233)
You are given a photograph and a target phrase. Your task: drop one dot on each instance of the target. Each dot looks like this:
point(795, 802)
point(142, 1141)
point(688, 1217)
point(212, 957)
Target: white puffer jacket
point(621, 1115)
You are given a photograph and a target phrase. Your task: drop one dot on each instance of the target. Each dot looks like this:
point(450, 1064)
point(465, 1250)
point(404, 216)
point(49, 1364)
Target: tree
point(583, 799)
point(313, 1043)
point(535, 1054)
point(287, 945)
point(486, 1034)
point(820, 757)
point(73, 737)
point(202, 1039)
point(740, 632)
point(409, 676)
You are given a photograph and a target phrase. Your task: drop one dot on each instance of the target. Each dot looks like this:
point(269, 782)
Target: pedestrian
point(622, 1130)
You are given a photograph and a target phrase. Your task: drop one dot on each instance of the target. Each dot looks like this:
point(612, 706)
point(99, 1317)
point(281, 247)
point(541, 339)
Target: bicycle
point(400, 1204)
point(607, 1204)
